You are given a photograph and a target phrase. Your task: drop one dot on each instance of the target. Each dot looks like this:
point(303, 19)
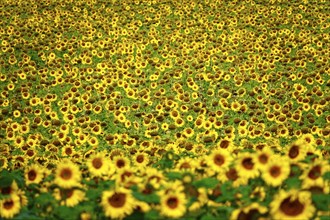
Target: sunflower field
point(165, 109)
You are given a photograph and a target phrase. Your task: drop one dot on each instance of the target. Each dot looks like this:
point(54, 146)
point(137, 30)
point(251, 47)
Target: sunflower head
point(67, 174)
point(292, 205)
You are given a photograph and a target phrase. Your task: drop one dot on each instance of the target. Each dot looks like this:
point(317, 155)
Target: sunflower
point(173, 205)
point(171, 187)
point(251, 211)
point(186, 164)
point(219, 160)
point(312, 176)
point(9, 190)
point(9, 207)
point(117, 203)
point(98, 165)
point(263, 157)
point(33, 174)
point(67, 174)
point(202, 199)
point(69, 197)
point(232, 175)
point(154, 177)
point(297, 150)
point(226, 143)
point(292, 205)
point(247, 166)
point(141, 159)
point(127, 177)
point(68, 150)
point(276, 171)
point(142, 206)
point(121, 162)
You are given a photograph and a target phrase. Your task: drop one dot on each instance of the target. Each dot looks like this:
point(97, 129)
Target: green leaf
point(135, 215)
point(27, 214)
point(326, 176)
point(93, 194)
point(152, 215)
point(321, 201)
point(149, 198)
point(228, 194)
point(293, 183)
point(6, 179)
point(62, 212)
point(323, 217)
point(44, 199)
point(208, 216)
point(209, 183)
point(174, 175)
point(224, 212)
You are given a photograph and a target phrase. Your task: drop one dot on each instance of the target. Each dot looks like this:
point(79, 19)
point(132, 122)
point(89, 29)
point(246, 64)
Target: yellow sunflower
point(154, 177)
point(34, 174)
point(9, 207)
point(69, 197)
point(219, 160)
point(263, 157)
point(226, 143)
point(121, 162)
point(297, 150)
point(312, 176)
point(292, 205)
point(246, 165)
point(98, 165)
point(127, 177)
point(141, 159)
point(202, 199)
point(249, 212)
point(233, 175)
point(276, 171)
point(117, 203)
point(186, 164)
point(67, 174)
point(173, 205)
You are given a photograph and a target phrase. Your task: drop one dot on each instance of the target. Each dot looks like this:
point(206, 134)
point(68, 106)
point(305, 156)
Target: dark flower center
point(263, 158)
point(32, 175)
point(66, 193)
point(185, 165)
point(232, 174)
point(140, 158)
point(120, 163)
point(172, 202)
point(66, 174)
point(247, 163)
point(117, 200)
point(8, 205)
point(252, 214)
point(97, 163)
point(224, 144)
point(291, 208)
point(219, 159)
point(275, 171)
point(294, 151)
point(315, 172)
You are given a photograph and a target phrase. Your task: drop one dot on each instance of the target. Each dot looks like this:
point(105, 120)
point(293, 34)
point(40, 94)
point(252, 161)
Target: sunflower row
point(177, 186)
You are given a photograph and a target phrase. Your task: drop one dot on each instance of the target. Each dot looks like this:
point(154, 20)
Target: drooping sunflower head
point(293, 205)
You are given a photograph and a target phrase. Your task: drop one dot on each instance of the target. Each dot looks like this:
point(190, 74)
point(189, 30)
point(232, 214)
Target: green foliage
point(321, 201)
point(209, 183)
